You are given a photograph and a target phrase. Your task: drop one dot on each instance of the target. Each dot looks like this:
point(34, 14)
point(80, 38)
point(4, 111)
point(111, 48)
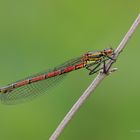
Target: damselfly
point(37, 84)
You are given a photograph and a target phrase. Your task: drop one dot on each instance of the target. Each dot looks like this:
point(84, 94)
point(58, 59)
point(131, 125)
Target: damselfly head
point(108, 52)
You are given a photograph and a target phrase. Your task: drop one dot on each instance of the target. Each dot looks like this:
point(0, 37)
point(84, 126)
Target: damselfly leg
point(94, 70)
point(89, 66)
point(97, 65)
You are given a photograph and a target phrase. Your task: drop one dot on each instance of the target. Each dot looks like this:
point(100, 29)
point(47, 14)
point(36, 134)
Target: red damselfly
point(37, 84)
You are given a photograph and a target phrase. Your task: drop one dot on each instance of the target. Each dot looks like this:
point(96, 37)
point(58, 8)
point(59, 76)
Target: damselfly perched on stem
point(37, 84)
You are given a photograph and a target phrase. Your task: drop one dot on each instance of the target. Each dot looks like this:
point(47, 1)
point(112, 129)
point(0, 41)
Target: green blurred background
point(39, 34)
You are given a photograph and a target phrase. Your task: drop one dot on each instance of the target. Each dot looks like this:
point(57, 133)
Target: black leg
point(95, 69)
point(91, 64)
point(104, 67)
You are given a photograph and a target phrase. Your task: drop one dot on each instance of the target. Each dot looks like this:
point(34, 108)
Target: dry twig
point(95, 82)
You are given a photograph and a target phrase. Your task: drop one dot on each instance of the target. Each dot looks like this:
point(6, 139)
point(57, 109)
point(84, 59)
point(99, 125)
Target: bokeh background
point(39, 34)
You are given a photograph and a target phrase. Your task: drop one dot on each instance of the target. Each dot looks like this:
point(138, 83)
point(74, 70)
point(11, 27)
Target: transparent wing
point(33, 90)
